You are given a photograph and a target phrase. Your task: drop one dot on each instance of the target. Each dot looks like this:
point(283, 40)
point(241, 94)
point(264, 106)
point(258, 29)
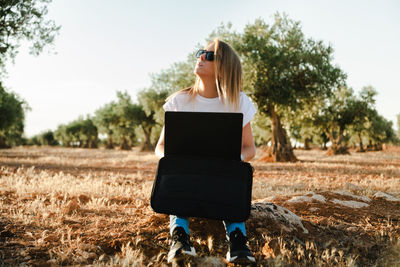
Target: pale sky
point(105, 46)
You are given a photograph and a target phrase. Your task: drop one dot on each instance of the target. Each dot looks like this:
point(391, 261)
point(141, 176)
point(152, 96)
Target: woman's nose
point(203, 57)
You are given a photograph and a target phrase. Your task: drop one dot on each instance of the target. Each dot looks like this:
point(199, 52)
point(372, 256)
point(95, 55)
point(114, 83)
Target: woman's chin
point(201, 73)
point(198, 73)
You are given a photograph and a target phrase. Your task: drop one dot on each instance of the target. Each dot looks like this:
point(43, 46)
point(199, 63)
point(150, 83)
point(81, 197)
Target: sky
point(108, 46)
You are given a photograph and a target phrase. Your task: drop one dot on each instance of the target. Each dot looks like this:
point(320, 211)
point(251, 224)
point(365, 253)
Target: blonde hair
point(228, 75)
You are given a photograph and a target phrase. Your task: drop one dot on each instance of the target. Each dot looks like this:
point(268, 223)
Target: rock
point(350, 203)
point(284, 218)
point(345, 193)
point(386, 196)
point(297, 199)
point(319, 198)
point(307, 198)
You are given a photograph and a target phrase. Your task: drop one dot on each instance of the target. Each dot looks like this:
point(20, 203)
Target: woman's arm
point(160, 145)
point(248, 147)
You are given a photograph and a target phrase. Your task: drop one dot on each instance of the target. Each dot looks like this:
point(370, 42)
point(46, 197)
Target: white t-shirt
point(183, 102)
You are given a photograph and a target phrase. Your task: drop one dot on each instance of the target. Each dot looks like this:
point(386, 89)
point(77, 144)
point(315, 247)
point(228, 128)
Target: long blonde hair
point(228, 75)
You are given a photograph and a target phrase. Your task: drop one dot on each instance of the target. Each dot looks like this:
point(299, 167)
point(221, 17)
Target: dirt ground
point(65, 206)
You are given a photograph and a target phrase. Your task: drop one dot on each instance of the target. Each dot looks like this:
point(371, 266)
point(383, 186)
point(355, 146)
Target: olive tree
point(12, 116)
point(24, 20)
point(78, 133)
point(105, 118)
point(284, 71)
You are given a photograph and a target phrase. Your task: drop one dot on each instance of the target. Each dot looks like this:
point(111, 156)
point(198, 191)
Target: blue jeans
point(183, 222)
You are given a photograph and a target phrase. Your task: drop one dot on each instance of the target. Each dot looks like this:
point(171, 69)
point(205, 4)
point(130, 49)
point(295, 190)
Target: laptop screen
point(203, 134)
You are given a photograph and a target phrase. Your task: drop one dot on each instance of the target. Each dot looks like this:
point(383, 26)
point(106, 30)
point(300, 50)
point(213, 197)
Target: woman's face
point(205, 68)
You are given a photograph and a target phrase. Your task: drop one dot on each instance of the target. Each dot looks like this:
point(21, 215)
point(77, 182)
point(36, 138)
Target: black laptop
point(203, 134)
point(201, 174)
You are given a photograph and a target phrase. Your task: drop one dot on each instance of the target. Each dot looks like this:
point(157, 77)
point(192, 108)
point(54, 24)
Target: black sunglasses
point(209, 54)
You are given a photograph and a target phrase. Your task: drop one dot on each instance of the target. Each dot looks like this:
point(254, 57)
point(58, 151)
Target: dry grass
point(91, 207)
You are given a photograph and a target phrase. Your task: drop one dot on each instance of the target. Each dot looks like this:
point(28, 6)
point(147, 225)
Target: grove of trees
point(301, 95)
point(12, 115)
point(20, 20)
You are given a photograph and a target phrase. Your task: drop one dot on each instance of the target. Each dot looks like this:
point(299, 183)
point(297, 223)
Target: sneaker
point(180, 245)
point(239, 252)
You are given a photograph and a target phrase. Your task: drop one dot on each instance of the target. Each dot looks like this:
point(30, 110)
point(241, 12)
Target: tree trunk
point(3, 142)
point(146, 144)
point(307, 144)
point(324, 147)
point(361, 147)
point(93, 143)
point(109, 144)
point(85, 144)
point(369, 146)
point(336, 147)
point(282, 150)
point(124, 144)
point(378, 147)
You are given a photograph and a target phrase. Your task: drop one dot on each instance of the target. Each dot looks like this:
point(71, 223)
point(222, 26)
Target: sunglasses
point(209, 54)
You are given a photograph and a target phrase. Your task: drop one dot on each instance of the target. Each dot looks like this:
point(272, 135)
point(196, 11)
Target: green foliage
point(345, 116)
point(300, 123)
point(127, 115)
point(105, 119)
point(337, 113)
point(302, 130)
point(261, 128)
point(225, 33)
point(152, 101)
point(78, 133)
point(285, 69)
point(178, 76)
point(151, 122)
point(284, 72)
point(117, 121)
point(45, 138)
point(380, 131)
point(33, 141)
point(20, 20)
point(12, 116)
point(364, 108)
point(24, 20)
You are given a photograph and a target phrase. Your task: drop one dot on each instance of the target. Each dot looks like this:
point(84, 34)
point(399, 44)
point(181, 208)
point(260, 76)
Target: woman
point(218, 88)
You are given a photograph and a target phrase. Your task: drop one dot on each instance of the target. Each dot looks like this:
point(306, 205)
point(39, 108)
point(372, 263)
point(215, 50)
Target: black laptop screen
point(203, 134)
